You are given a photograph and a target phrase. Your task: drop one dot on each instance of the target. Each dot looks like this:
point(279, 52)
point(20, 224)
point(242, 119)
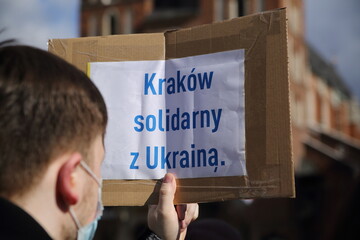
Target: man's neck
point(41, 203)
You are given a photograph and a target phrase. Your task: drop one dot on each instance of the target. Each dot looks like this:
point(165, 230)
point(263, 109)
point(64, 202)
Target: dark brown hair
point(47, 107)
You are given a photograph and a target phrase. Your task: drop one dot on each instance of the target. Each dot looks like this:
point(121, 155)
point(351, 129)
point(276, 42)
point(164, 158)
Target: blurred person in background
point(212, 229)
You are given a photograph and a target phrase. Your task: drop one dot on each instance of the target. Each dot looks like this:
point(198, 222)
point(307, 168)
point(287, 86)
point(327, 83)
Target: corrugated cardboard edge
point(278, 150)
point(264, 38)
point(114, 48)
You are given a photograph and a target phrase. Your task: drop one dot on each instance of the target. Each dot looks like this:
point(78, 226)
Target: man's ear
point(66, 189)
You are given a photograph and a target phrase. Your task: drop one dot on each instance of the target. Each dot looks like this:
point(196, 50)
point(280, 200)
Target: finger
point(181, 211)
point(192, 213)
point(182, 234)
point(183, 225)
point(151, 207)
point(167, 192)
point(193, 210)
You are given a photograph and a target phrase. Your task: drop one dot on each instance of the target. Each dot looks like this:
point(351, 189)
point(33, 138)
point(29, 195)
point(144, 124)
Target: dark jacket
point(15, 223)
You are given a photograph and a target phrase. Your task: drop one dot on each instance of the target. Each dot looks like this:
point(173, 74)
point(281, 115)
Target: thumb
point(167, 192)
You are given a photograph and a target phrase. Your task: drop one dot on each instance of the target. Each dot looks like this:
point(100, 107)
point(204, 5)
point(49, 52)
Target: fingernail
point(167, 178)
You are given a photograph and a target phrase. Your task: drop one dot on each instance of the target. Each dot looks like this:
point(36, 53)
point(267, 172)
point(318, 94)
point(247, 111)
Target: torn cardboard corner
point(269, 163)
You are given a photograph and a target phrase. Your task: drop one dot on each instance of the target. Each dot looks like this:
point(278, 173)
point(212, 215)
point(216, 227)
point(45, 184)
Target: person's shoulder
point(15, 223)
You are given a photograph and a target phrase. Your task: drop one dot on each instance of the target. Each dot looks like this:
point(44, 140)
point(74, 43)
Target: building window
point(300, 112)
point(128, 27)
point(311, 107)
point(299, 66)
point(233, 9)
point(260, 5)
point(319, 114)
point(92, 26)
point(106, 2)
point(297, 110)
point(176, 4)
point(241, 7)
point(335, 98)
point(325, 114)
point(294, 17)
point(111, 22)
point(219, 10)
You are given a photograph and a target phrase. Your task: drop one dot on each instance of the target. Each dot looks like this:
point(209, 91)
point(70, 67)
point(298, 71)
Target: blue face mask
point(87, 232)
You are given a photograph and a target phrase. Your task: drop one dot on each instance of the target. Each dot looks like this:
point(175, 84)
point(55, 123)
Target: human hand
point(166, 220)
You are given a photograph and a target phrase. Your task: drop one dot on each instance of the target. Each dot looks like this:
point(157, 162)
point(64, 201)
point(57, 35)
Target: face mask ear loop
point(77, 223)
point(89, 171)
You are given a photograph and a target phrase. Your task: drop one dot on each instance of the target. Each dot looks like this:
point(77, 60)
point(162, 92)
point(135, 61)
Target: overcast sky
point(33, 22)
point(333, 27)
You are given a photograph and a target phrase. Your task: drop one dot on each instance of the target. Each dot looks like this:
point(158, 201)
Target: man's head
point(47, 108)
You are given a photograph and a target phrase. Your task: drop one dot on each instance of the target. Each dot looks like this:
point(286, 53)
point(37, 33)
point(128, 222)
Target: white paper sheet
point(184, 116)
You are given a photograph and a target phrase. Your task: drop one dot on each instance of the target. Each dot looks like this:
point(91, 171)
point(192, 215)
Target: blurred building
point(325, 118)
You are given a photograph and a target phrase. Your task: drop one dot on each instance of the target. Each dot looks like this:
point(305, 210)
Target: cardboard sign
point(173, 116)
point(269, 166)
